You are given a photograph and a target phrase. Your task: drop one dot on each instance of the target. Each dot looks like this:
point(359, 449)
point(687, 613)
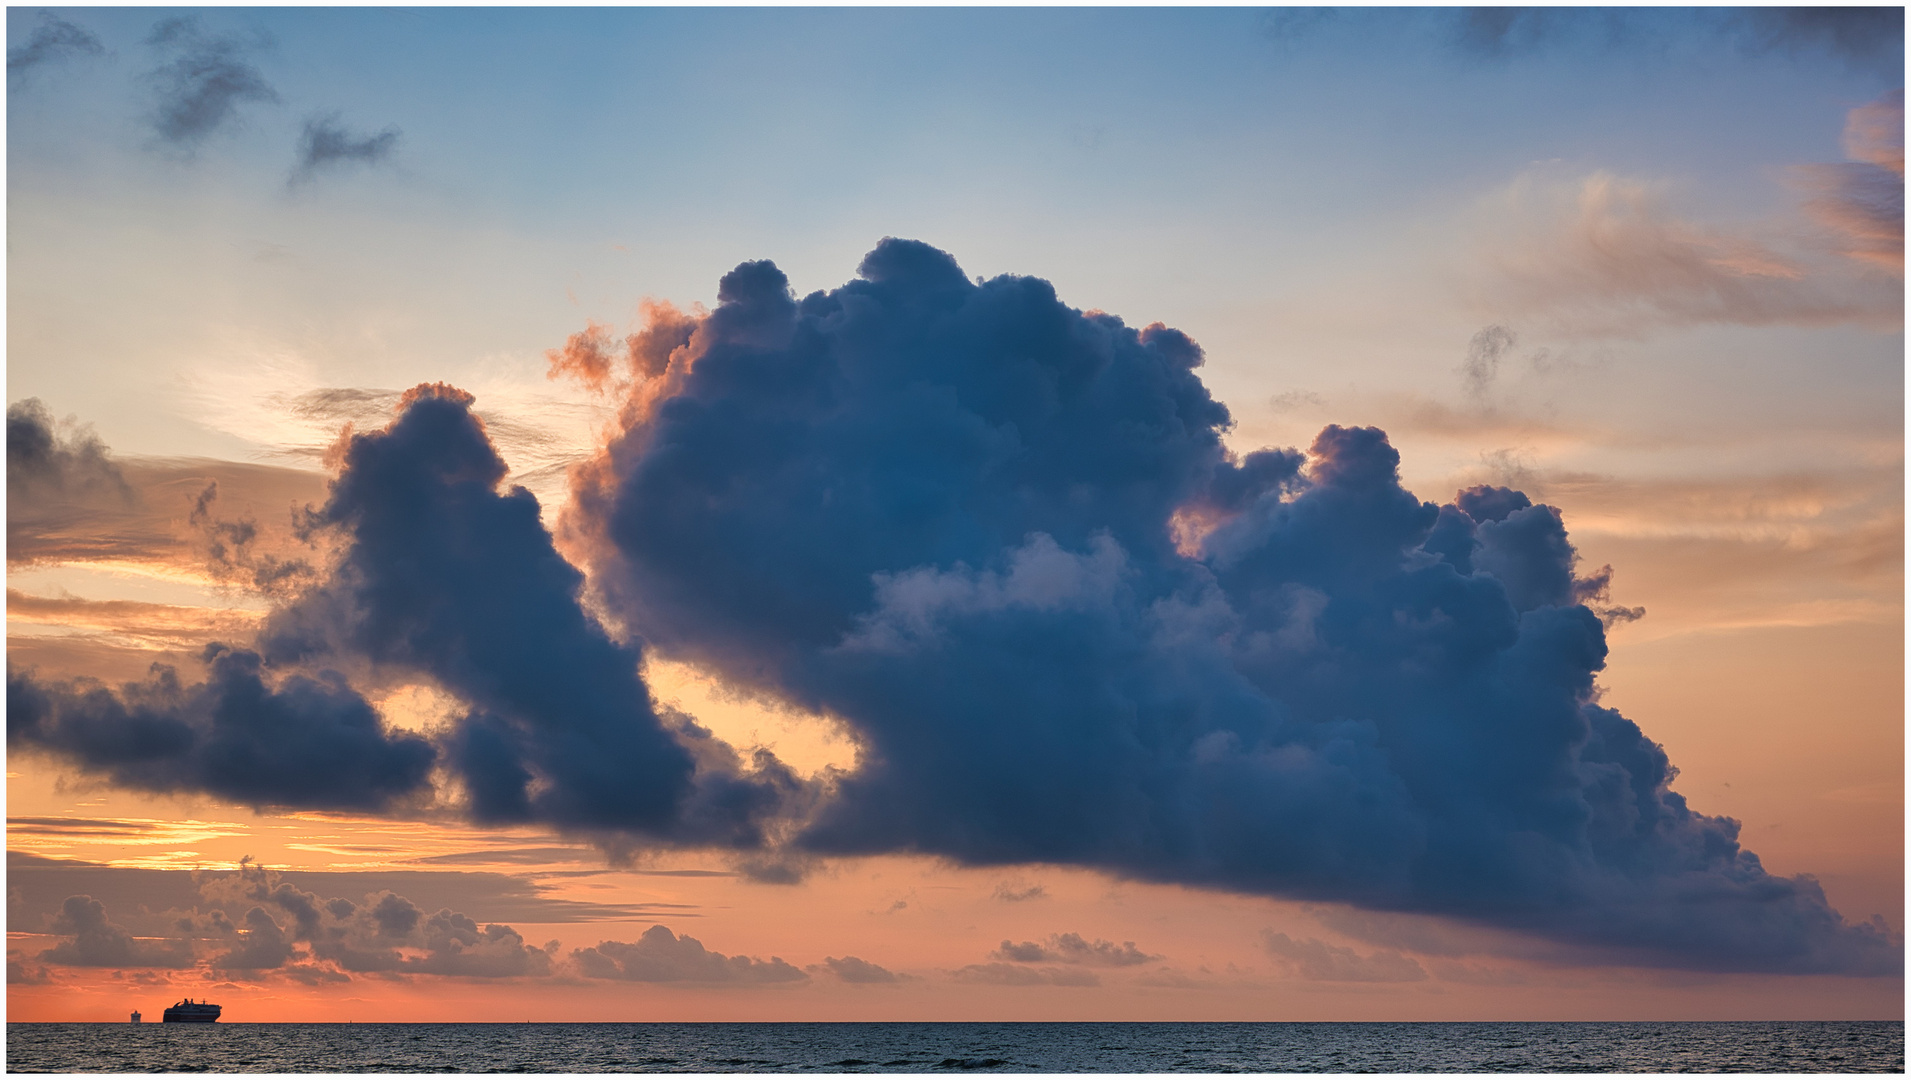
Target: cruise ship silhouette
point(192, 1012)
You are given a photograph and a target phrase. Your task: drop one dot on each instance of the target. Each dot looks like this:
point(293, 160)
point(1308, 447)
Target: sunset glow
point(937, 514)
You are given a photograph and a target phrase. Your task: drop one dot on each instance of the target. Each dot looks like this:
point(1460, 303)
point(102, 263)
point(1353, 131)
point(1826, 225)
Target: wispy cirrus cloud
point(1861, 201)
point(37, 885)
point(43, 833)
point(1017, 892)
point(1606, 255)
point(128, 623)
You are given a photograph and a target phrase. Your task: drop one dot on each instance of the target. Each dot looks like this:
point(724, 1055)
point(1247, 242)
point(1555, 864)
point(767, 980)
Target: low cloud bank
point(661, 956)
point(254, 925)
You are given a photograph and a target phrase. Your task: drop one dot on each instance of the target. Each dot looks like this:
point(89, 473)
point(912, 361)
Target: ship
point(192, 1012)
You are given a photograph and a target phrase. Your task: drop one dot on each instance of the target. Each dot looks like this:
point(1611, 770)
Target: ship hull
point(189, 1018)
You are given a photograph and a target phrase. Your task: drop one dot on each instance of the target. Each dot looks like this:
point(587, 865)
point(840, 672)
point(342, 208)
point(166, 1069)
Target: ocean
point(1876, 1046)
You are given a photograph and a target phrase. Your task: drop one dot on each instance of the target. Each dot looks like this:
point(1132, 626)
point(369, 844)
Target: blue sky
point(1297, 191)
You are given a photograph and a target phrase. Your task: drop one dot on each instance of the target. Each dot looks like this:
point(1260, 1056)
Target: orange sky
point(1822, 798)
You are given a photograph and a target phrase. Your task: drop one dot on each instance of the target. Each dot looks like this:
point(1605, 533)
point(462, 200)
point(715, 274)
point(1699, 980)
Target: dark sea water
point(1049, 1048)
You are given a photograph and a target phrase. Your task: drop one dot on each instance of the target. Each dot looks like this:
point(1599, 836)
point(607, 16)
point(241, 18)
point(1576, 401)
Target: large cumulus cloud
point(1001, 539)
point(437, 575)
point(444, 575)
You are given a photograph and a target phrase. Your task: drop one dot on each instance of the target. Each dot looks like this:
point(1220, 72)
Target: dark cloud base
point(306, 742)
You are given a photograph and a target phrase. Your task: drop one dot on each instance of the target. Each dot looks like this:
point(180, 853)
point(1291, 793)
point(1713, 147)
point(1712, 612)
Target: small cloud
point(232, 555)
point(661, 956)
point(1073, 949)
point(313, 974)
point(778, 868)
point(1000, 974)
point(20, 973)
point(1483, 355)
point(1014, 892)
point(324, 144)
point(1511, 466)
point(853, 969)
point(333, 405)
point(53, 40)
point(1175, 979)
point(202, 83)
point(1316, 960)
point(1595, 591)
point(1295, 400)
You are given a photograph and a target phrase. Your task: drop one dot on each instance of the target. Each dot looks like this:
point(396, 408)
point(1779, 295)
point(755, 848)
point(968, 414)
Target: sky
point(912, 514)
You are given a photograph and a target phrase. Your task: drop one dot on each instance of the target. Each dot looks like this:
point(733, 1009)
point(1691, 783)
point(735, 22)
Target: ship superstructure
point(192, 1012)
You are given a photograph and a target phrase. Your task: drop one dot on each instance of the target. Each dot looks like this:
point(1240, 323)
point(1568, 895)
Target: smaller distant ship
point(192, 1012)
point(135, 1016)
